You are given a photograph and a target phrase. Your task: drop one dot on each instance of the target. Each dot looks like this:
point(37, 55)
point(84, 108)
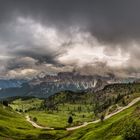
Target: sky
point(51, 36)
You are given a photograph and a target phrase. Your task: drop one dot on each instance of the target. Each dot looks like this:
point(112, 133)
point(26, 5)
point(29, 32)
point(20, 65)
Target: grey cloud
point(108, 20)
point(114, 23)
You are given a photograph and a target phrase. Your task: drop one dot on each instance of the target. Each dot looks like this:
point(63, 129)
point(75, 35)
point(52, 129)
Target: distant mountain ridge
point(8, 83)
point(65, 81)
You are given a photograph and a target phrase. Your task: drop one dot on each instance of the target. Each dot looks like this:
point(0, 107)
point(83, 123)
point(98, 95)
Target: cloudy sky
point(90, 36)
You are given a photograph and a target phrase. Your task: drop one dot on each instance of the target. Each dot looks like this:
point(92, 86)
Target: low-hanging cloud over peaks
point(93, 37)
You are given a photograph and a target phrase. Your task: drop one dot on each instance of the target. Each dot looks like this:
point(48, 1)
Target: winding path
point(34, 124)
point(85, 123)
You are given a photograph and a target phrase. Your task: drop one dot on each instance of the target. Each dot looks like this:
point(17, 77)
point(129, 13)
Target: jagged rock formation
point(47, 85)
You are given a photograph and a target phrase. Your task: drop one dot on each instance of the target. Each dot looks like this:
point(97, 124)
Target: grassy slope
point(53, 118)
point(14, 126)
point(65, 104)
point(71, 100)
point(20, 104)
point(111, 129)
point(59, 118)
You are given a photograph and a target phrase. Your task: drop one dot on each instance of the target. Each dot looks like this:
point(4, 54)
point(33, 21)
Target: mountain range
point(44, 86)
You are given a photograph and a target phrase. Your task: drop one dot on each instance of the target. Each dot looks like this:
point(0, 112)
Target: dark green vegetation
point(123, 126)
point(24, 105)
point(90, 106)
point(83, 107)
point(132, 131)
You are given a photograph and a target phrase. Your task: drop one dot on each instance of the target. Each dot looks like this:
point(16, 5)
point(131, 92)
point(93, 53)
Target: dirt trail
point(35, 124)
point(85, 123)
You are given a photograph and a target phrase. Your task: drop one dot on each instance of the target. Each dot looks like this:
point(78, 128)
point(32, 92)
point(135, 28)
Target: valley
point(85, 108)
point(69, 70)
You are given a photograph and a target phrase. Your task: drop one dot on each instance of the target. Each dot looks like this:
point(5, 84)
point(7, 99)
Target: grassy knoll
point(26, 104)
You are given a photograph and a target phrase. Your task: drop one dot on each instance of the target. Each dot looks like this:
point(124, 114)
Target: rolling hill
point(126, 123)
point(113, 128)
point(82, 106)
point(13, 126)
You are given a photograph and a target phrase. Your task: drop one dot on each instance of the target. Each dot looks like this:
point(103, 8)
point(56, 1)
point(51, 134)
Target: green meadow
point(83, 107)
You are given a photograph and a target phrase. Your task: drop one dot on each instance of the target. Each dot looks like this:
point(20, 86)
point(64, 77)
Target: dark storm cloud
point(114, 23)
point(36, 54)
point(109, 20)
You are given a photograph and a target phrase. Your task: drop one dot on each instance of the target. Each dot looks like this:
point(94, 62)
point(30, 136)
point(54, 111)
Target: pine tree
point(70, 120)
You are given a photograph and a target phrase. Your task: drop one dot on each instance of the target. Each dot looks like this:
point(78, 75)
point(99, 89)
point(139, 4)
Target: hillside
point(81, 106)
point(13, 126)
point(113, 128)
point(111, 97)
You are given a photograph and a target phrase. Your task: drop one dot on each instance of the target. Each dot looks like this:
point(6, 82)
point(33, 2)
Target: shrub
point(35, 119)
point(70, 120)
point(5, 103)
point(132, 132)
point(20, 110)
point(102, 117)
